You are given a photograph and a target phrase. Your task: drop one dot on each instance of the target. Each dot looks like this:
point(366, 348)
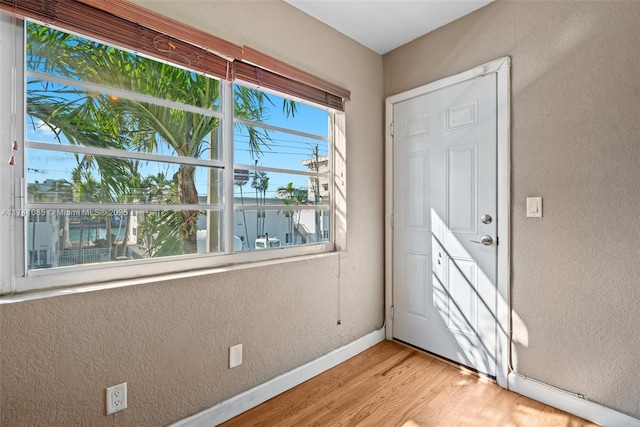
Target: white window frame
point(14, 277)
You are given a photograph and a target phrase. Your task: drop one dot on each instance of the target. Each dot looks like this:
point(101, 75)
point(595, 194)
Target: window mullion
point(332, 177)
point(11, 131)
point(280, 170)
point(122, 154)
point(280, 129)
point(105, 208)
point(227, 156)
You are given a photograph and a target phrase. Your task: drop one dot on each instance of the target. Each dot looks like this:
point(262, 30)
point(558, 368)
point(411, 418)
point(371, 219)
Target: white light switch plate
point(235, 356)
point(534, 207)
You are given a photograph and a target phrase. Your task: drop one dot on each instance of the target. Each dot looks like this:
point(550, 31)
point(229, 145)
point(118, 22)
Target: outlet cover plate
point(116, 398)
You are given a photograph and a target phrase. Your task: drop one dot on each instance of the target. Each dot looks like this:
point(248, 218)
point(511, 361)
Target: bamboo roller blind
point(133, 27)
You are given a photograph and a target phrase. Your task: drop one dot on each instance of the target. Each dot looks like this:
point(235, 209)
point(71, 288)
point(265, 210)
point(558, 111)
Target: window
point(129, 161)
point(276, 164)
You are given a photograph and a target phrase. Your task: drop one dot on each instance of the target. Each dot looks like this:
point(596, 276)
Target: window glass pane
point(272, 188)
point(259, 146)
point(60, 54)
point(284, 221)
point(59, 177)
point(280, 112)
point(64, 114)
point(90, 236)
point(283, 228)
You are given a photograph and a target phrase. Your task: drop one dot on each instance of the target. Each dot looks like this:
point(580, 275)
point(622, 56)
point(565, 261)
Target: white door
point(445, 216)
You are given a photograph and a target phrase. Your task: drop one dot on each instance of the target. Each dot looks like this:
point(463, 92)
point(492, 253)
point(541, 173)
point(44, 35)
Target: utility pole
point(316, 190)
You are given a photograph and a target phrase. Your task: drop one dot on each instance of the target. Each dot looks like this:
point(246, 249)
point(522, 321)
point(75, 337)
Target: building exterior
point(63, 237)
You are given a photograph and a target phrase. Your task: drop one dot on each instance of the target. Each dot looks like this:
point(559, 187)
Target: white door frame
point(501, 67)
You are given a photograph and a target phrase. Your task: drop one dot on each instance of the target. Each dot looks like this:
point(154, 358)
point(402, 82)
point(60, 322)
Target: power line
point(301, 146)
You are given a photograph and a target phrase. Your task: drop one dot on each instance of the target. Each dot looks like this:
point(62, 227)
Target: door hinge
point(391, 128)
point(391, 312)
point(392, 222)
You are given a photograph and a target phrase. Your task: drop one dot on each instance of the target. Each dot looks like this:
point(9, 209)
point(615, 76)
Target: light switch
point(534, 207)
point(235, 356)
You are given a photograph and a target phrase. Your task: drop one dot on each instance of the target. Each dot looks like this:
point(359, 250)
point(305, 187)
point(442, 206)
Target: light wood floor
point(393, 385)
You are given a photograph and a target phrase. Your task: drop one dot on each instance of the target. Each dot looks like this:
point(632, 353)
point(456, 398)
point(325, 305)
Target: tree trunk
point(214, 192)
point(188, 196)
point(291, 228)
point(33, 242)
point(244, 220)
point(80, 257)
point(125, 239)
point(108, 237)
point(257, 215)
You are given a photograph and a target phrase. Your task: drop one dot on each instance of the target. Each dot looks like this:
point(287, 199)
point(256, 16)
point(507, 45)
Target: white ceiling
point(383, 25)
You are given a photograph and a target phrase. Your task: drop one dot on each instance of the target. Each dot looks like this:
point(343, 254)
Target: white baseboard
point(569, 402)
point(230, 408)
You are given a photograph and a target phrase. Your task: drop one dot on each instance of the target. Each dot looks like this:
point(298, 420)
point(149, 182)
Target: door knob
point(484, 240)
point(486, 219)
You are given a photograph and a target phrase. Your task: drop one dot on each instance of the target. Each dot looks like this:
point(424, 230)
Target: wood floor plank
point(394, 385)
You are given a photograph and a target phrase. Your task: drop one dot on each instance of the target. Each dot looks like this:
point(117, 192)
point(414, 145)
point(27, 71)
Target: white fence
point(87, 256)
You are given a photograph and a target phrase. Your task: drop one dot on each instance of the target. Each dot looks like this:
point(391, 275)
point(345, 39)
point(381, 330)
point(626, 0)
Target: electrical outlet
point(116, 398)
point(235, 356)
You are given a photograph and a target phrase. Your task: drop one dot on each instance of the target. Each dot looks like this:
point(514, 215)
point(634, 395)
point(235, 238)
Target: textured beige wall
point(575, 142)
point(169, 340)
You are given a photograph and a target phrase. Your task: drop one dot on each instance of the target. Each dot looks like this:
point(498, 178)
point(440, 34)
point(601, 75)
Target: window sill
point(120, 283)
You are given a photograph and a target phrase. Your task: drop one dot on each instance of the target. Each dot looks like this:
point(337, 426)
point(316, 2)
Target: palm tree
point(292, 196)
point(264, 185)
point(103, 120)
point(255, 184)
point(156, 189)
point(131, 192)
point(161, 230)
point(63, 190)
point(85, 189)
point(286, 194)
point(240, 184)
point(260, 182)
point(299, 199)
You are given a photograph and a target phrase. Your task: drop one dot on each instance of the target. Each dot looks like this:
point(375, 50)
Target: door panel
point(417, 272)
point(417, 167)
point(462, 305)
point(444, 284)
point(462, 188)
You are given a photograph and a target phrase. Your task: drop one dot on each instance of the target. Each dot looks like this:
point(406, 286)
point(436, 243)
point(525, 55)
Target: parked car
point(261, 243)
